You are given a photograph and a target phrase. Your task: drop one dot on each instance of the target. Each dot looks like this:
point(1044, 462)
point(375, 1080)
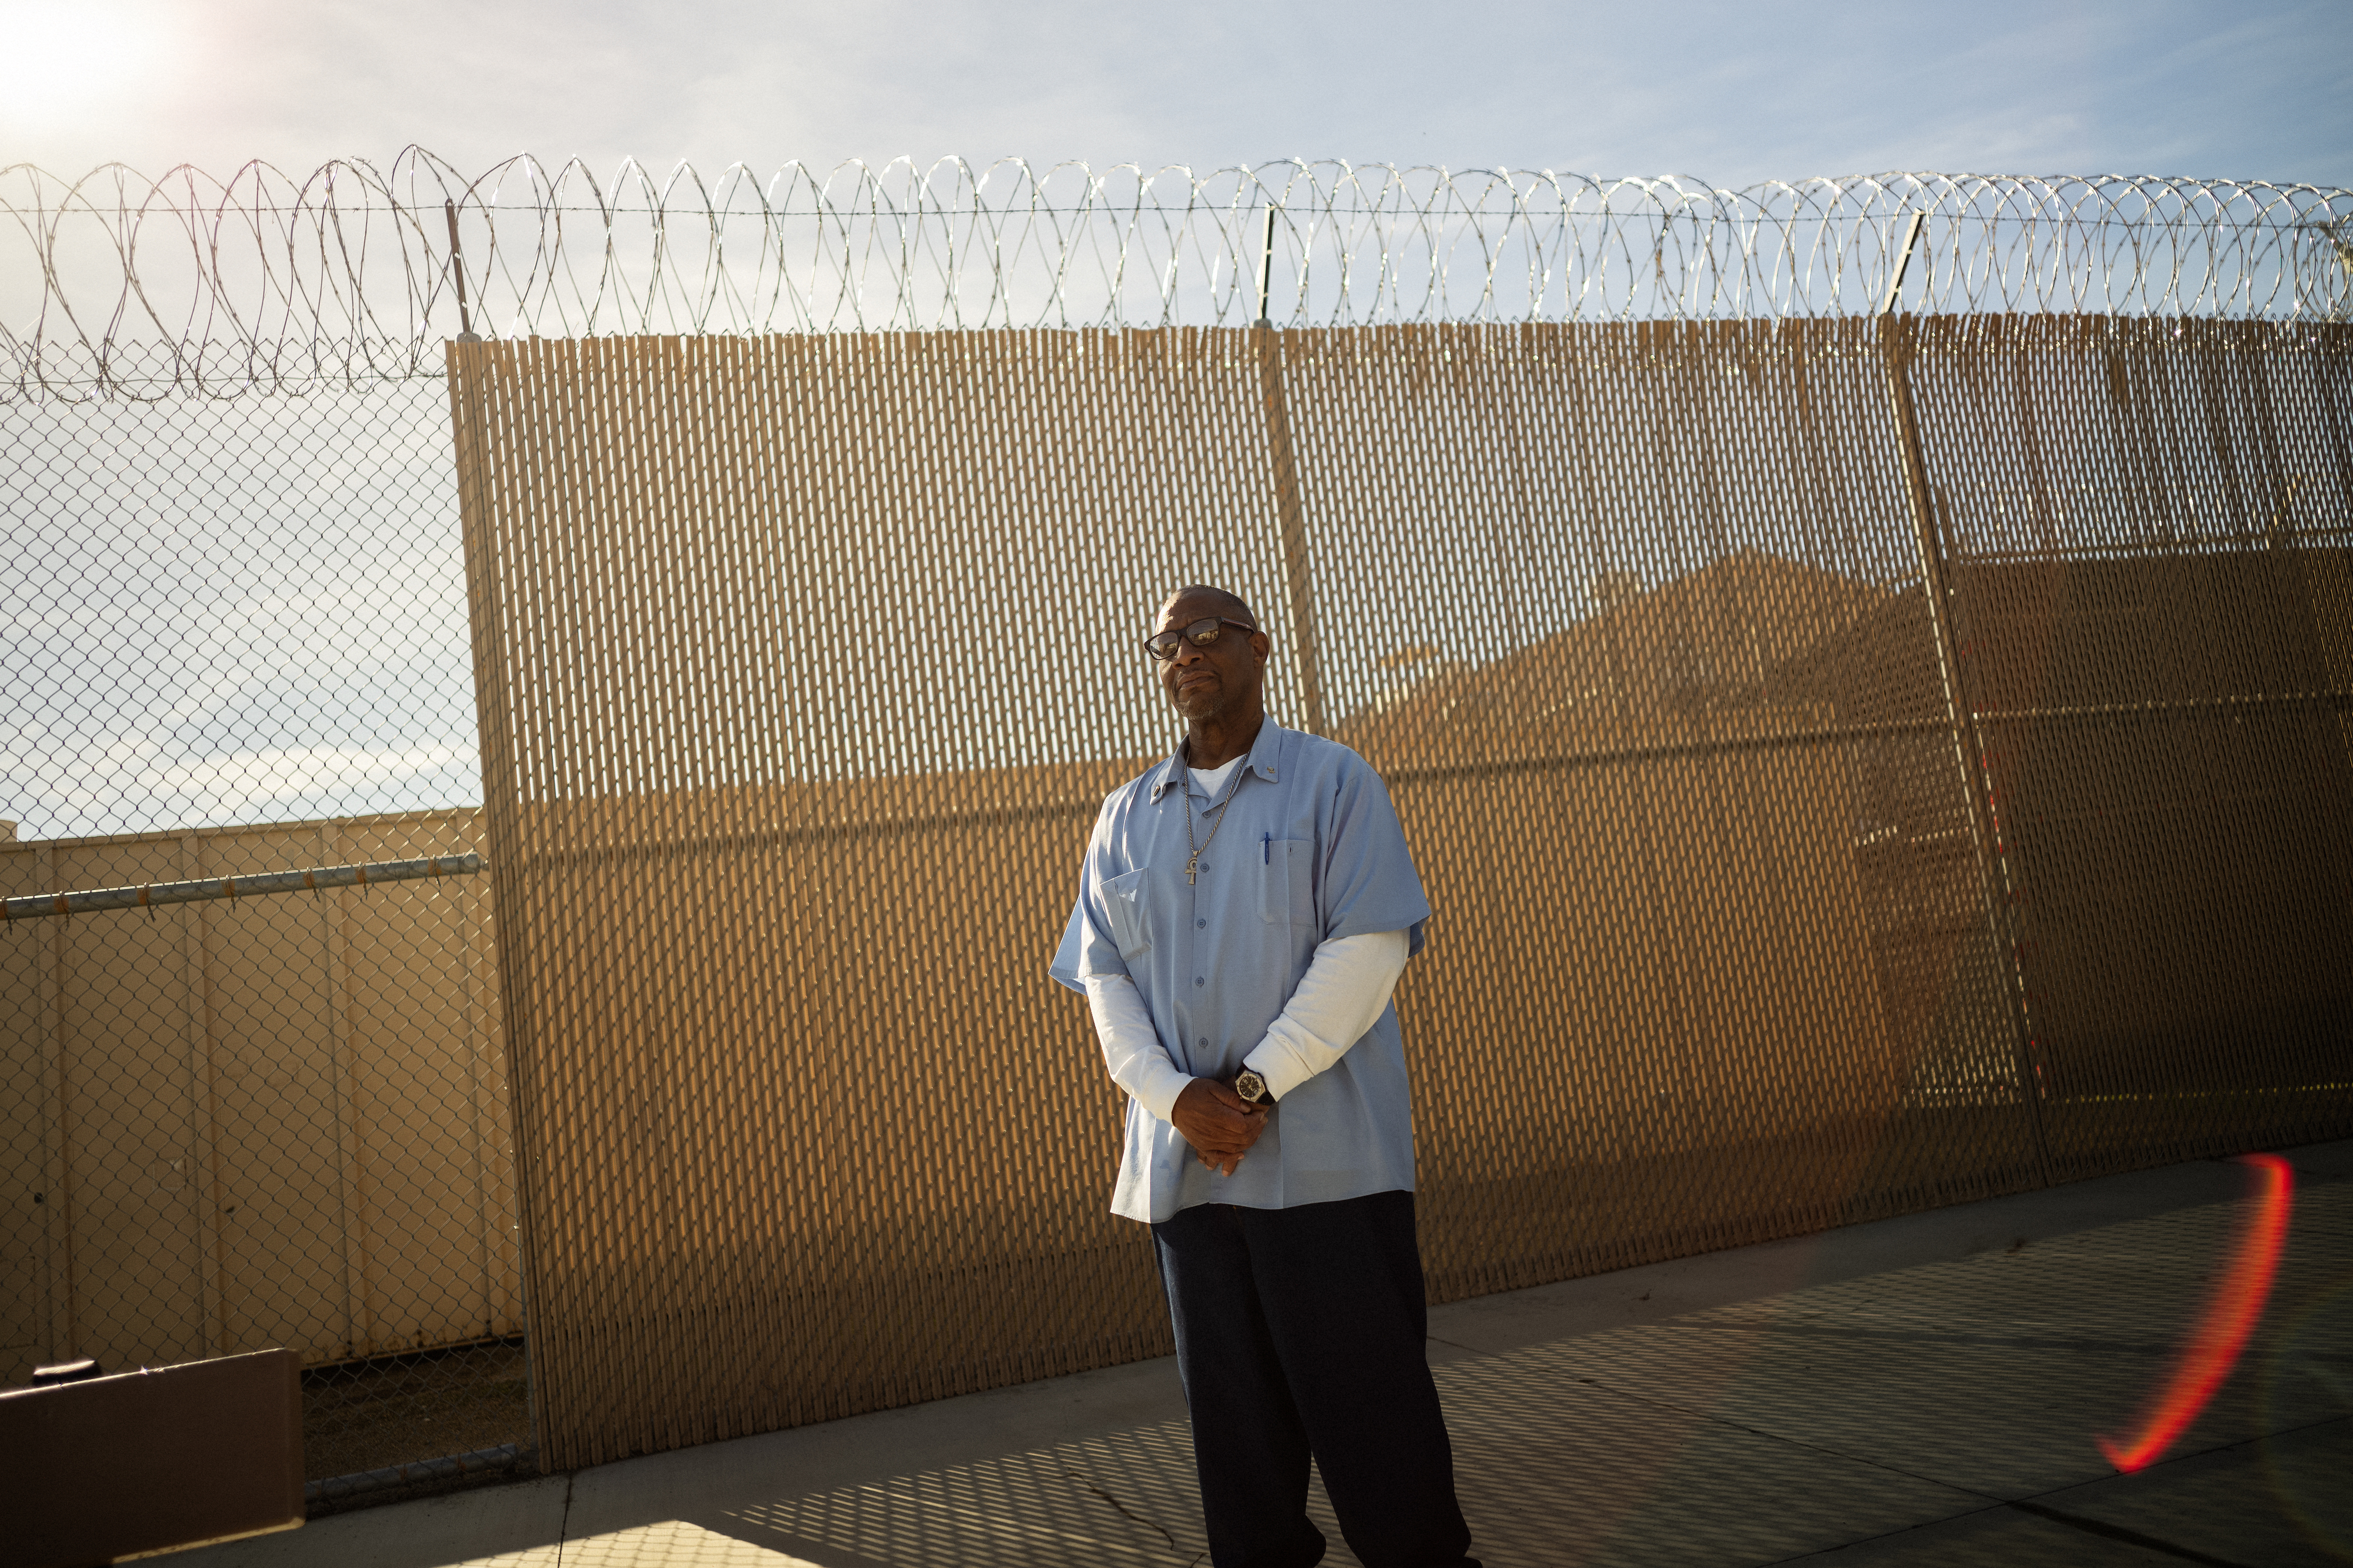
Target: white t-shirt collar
point(1214, 779)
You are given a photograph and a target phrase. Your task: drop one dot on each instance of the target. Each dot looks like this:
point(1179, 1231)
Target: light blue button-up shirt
point(1311, 850)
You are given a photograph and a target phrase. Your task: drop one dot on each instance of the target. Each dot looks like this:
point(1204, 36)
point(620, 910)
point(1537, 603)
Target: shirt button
point(1198, 980)
point(1198, 924)
point(1202, 1041)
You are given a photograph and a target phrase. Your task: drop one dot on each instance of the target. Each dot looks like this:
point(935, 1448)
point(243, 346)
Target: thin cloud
point(1730, 93)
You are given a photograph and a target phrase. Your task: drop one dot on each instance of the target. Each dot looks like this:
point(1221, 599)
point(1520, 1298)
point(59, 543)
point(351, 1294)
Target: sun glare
point(68, 55)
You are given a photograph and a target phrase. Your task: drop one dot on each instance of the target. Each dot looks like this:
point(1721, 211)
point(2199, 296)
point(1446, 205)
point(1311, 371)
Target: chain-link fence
point(1856, 769)
point(239, 647)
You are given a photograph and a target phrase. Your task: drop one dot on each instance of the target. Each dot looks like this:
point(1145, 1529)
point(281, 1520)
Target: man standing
point(1244, 910)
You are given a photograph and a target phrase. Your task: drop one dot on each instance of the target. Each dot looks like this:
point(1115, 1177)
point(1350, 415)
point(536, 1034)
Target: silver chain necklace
point(1198, 849)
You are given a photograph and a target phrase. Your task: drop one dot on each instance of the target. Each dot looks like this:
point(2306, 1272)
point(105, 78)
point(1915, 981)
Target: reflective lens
point(1202, 633)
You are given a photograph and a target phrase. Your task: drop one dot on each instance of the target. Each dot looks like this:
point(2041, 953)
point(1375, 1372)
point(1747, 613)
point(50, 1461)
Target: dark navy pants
point(1301, 1332)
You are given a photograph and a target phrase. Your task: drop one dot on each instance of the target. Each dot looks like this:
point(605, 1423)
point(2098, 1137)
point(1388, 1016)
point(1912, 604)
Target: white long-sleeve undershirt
point(1343, 993)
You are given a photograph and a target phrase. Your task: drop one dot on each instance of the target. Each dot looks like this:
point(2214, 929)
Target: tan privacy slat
point(1812, 836)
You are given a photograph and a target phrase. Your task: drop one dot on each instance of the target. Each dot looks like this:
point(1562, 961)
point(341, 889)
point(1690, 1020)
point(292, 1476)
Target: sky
point(209, 707)
point(1729, 93)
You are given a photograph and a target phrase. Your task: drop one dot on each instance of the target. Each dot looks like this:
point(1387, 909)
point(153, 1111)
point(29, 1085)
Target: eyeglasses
point(1202, 633)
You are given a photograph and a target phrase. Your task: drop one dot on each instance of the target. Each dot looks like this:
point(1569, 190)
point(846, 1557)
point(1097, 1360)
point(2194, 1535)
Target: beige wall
point(278, 1120)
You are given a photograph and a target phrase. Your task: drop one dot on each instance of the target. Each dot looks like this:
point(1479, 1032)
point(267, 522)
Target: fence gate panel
point(2146, 524)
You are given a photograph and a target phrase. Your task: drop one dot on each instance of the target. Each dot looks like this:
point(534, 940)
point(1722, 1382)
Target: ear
point(1261, 646)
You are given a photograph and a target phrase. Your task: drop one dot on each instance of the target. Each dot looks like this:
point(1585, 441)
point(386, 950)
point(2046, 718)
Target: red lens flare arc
point(2231, 1313)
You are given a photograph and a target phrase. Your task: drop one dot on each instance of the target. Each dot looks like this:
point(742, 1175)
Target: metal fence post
point(1283, 455)
point(466, 333)
point(1896, 343)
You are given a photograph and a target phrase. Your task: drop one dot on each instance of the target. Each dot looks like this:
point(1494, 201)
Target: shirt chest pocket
point(1290, 870)
point(1123, 907)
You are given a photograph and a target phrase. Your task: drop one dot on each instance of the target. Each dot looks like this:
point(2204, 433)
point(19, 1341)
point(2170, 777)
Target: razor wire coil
point(267, 281)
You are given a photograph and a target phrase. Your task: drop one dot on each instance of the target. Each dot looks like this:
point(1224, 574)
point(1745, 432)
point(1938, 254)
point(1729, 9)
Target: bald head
point(1217, 601)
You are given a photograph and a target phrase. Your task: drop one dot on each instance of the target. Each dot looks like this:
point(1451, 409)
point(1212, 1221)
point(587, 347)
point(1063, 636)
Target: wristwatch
point(1253, 1090)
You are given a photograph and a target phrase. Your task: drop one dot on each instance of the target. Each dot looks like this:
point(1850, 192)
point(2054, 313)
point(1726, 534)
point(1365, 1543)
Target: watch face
point(1250, 1086)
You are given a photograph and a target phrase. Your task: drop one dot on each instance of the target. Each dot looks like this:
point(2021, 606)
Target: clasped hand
point(1218, 1123)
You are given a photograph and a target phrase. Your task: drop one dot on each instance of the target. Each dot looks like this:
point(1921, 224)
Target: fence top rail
point(312, 879)
point(118, 282)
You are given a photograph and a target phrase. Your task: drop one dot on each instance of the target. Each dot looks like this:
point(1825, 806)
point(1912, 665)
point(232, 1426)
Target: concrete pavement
point(1921, 1390)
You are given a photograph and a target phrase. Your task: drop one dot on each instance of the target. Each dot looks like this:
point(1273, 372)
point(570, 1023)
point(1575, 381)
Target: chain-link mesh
point(239, 647)
point(1855, 766)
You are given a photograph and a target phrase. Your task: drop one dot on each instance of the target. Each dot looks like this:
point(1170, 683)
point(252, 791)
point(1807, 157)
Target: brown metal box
point(145, 1461)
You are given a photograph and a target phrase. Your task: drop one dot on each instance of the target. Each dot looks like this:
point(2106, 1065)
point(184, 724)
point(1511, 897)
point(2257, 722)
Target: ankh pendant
point(1189, 870)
